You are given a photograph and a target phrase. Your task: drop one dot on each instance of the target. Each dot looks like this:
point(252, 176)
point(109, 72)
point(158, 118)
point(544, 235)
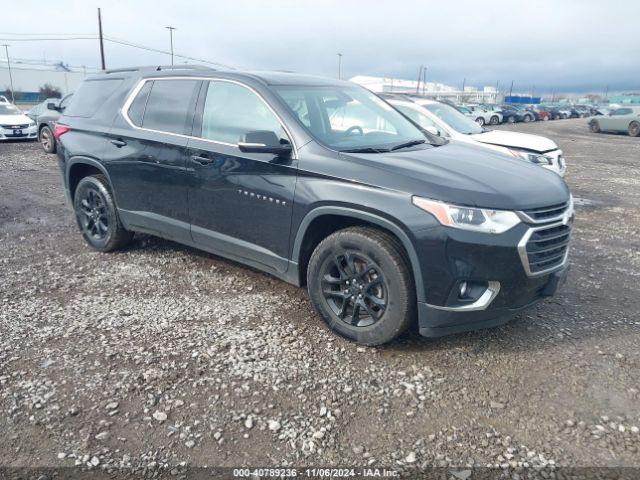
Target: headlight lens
point(469, 218)
point(532, 157)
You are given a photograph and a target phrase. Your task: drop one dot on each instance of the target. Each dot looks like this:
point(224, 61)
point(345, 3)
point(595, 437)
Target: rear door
point(146, 156)
point(240, 204)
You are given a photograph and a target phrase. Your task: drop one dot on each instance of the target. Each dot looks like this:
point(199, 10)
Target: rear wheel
point(634, 129)
point(526, 119)
point(97, 215)
point(494, 120)
point(360, 283)
point(594, 126)
point(480, 121)
point(47, 140)
point(545, 118)
point(511, 119)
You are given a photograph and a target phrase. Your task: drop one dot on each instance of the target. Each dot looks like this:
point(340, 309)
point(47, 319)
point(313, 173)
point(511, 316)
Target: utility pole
point(171, 29)
point(419, 77)
point(495, 99)
point(339, 66)
point(424, 80)
point(606, 92)
point(101, 40)
point(511, 89)
point(6, 49)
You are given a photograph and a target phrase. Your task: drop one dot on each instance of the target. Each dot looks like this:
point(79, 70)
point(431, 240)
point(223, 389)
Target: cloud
point(569, 46)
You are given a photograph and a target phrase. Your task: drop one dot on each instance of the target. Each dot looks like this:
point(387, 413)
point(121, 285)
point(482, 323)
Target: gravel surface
point(163, 357)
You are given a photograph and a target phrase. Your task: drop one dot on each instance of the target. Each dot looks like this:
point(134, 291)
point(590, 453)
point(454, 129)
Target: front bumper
point(450, 256)
point(19, 133)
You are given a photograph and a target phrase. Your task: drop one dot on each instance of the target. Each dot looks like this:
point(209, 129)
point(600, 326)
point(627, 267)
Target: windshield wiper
point(408, 144)
point(366, 150)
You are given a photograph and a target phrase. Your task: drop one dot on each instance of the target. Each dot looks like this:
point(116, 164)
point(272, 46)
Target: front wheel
point(97, 215)
point(480, 121)
point(634, 129)
point(526, 119)
point(494, 120)
point(47, 140)
point(511, 119)
point(594, 126)
point(360, 284)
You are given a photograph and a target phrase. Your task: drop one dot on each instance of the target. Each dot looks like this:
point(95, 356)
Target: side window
point(417, 117)
point(170, 106)
point(91, 96)
point(136, 110)
point(622, 111)
point(231, 110)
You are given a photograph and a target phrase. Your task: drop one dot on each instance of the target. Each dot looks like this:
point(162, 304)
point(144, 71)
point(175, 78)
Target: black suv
point(317, 182)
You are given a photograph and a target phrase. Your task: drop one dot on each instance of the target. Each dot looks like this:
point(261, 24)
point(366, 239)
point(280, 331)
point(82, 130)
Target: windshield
point(9, 110)
point(454, 118)
point(350, 118)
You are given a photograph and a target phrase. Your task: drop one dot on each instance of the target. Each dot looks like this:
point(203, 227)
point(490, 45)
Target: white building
point(428, 89)
point(30, 79)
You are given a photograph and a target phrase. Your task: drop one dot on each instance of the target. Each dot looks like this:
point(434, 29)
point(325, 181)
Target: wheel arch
point(80, 167)
point(324, 220)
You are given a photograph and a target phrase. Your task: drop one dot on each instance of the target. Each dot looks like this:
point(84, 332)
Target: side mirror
point(263, 141)
point(433, 130)
point(52, 106)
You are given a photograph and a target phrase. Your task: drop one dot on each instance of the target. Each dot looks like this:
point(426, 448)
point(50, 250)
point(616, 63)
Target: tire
point(97, 216)
point(511, 119)
point(545, 118)
point(494, 120)
point(377, 263)
point(480, 121)
point(526, 119)
point(47, 140)
point(634, 129)
point(594, 126)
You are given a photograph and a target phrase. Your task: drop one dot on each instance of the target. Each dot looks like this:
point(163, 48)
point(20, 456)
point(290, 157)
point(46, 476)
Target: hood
point(525, 141)
point(464, 174)
point(21, 119)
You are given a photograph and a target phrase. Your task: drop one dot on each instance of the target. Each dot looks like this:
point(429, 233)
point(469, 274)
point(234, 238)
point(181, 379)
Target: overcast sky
point(569, 45)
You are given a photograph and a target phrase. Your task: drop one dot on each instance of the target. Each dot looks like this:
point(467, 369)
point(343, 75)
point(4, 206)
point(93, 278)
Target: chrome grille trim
point(562, 249)
point(548, 214)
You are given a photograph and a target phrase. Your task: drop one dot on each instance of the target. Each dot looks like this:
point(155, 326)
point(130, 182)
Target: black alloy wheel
point(361, 285)
point(355, 289)
point(97, 216)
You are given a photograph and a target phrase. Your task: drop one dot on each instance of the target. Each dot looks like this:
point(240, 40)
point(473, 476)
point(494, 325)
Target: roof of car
point(266, 77)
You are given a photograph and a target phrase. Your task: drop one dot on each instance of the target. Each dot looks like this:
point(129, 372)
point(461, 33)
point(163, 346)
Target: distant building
point(625, 99)
point(428, 89)
point(27, 81)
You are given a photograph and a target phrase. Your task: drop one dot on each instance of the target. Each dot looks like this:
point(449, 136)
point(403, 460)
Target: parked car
point(3, 99)
point(565, 111)
point(540, 113)
point(14, 124)
point(442, 120)
point(318, 182)
point(621, 120)
point(47, 119)
point(34, 112)
point(511, 114)
point(484, 117)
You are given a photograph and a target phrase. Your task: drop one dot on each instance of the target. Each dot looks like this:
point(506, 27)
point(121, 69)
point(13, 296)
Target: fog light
point(462, 290)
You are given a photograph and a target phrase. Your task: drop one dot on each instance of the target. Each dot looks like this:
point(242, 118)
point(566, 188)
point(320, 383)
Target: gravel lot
point(162, 357)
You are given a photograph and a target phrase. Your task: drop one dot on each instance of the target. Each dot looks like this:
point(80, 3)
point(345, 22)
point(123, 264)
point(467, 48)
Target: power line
point(51, 39)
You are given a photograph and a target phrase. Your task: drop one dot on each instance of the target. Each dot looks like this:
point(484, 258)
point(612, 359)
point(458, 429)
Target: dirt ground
point(161, 356)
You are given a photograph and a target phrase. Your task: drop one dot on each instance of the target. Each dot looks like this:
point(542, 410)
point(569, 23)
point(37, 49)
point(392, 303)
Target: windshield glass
point(349, 118)
point(454, 118)
point(9, 110)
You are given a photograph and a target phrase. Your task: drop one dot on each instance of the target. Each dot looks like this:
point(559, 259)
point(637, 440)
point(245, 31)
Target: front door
point(240, 204)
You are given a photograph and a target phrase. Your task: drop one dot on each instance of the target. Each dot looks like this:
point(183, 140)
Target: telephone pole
point(101, 40)
point(339, 66)
point(511, 89)
point(419, 77)
point(424, 80)
point(171, 29)
point(6, 49)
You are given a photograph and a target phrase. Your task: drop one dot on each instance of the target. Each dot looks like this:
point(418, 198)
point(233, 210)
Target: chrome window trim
point(124, 110)
point(489, 295)
point(522, 250)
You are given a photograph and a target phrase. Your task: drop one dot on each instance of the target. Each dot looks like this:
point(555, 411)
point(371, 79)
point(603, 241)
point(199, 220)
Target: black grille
point(15, 127)
point(547, 248)
point(545, 214)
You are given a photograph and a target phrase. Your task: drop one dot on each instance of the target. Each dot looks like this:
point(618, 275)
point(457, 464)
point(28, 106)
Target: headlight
point(32, 124)
point(532, 157)
point(469, 218)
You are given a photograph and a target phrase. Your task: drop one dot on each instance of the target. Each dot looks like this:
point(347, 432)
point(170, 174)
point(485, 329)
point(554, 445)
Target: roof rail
point(158, 68)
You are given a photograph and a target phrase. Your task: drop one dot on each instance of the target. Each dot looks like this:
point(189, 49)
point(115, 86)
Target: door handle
point(118, 142)
point(202, 160)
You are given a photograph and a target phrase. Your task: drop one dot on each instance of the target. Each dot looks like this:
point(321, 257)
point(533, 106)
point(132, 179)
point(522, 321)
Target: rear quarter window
point(91, 95)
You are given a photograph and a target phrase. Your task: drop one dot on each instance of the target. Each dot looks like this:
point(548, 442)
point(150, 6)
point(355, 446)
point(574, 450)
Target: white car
point(3, 99)
point(445, 121)
point(482, 116)
point(15, 124)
